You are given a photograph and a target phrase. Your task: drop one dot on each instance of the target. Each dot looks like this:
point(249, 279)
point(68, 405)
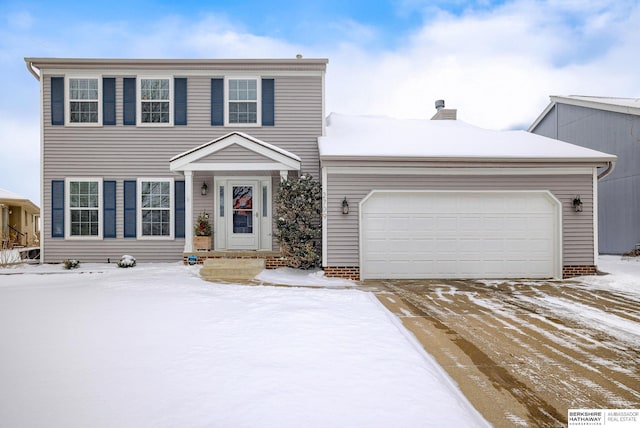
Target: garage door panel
point(459, 235)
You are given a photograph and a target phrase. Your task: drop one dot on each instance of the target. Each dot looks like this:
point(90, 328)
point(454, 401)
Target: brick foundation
point(571, 271)
point(272, 260)
point(347, 272)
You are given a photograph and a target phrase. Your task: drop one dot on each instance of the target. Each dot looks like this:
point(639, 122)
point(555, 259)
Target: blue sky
point(497, 62)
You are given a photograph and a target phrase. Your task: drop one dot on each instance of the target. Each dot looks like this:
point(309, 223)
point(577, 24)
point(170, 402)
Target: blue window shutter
point(108, 101)
point(268, 104)
point(129, 100)
point(130, 187)
point(57, 100)
point(57, 208)
point(180, 101)
point(179, 207)
point(109, 207)
point(217, 102)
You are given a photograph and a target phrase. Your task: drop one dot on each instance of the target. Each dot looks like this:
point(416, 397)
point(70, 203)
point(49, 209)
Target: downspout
point(32, 70)
point(610, 166)
point(37, 75)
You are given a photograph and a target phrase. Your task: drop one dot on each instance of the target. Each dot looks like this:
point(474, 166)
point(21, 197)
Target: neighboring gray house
point(133, 150)
point(444, 199)
point(611, 125)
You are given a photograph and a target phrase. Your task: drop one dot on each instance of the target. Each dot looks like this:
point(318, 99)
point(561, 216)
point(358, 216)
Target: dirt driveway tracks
point(525, 352)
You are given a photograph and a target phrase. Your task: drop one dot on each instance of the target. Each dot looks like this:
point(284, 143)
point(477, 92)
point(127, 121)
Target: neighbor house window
point(156, 206)
point(83, 105)
point(84, 208)
point(243, 101)
point(155, 101)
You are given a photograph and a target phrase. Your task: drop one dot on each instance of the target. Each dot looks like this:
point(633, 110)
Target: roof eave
point(595, 105)
point(602, 161)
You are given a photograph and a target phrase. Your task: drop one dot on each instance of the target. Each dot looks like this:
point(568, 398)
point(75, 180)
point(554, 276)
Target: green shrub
point(298, 208)
point(71, 263)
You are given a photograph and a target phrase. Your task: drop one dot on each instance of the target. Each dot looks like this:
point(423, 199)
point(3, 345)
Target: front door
point(243, 221)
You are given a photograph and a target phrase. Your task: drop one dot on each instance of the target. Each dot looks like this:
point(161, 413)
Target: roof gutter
point(32, 70)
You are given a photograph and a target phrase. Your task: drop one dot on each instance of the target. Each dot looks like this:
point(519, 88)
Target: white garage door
point(460, 234)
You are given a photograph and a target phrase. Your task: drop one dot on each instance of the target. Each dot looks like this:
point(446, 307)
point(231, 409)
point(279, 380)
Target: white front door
point(243, 221)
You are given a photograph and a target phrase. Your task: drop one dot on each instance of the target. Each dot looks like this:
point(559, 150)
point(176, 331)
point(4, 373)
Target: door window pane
point(242, 209)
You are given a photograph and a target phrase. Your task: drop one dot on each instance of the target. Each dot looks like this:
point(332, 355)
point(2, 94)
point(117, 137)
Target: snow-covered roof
point(5, 194)
point(383, 137)
point(614, 104)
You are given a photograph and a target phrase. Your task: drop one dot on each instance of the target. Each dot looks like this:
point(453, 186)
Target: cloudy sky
point(497, 62)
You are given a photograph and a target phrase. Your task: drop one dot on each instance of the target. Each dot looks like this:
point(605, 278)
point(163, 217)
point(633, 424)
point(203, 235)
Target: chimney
point(444, 113)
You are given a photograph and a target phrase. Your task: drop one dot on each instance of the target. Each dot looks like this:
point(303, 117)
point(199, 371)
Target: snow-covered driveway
point(526, 352)
point(155, 346)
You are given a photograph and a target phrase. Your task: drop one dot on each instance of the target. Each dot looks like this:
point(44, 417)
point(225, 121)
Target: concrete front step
point(231, 269)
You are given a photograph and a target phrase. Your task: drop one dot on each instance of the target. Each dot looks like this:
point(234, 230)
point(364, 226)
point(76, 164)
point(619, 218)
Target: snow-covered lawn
point(156, 346)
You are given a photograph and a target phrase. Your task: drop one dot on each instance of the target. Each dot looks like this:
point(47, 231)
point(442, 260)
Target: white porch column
point(188, 211)
point(283, 175)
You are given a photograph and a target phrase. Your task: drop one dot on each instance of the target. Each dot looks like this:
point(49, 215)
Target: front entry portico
point(241, 169)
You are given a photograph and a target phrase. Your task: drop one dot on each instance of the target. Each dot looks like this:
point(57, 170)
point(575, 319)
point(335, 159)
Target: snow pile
point(301, 278)
point(8, 257)
point(157, 346)
point(623, 275)
point(127, 261)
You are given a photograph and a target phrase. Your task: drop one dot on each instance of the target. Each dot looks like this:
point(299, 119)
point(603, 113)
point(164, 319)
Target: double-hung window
point(155, 98)
point(83, 101)
point(155, 208)
point(84, 208)
point(243, 101)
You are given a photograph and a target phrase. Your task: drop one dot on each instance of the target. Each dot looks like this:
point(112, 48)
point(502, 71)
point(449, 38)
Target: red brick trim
point(571, 271)
point(347, 272)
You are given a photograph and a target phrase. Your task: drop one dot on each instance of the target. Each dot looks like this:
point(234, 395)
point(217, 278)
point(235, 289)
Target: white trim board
point(460, 171)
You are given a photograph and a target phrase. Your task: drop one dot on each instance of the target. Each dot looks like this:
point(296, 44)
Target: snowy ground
point(156, 346)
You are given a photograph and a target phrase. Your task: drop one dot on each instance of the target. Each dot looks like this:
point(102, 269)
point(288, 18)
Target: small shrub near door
point(127, 261)
point(298, 207)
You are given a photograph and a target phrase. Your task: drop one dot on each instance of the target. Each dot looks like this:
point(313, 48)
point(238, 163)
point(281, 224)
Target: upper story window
point(84, 208)
point(83, 101)
point(243, 101)
point(155, 101)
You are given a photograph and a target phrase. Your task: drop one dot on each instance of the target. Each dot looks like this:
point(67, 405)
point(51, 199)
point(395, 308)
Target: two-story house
point(612, 125)
point(133, 150)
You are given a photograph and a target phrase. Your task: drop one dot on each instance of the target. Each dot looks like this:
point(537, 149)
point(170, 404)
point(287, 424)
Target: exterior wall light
point(577, 204)
point(203, 189)
point(345, 206)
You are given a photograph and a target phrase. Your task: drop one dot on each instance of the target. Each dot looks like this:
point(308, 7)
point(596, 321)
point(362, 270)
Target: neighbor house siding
point(343, 231)
point(129, 152)
point(618, 192)
point(548, 126)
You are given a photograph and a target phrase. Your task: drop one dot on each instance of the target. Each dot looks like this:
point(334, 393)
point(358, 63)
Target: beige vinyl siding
point(58, 249)
point(128, 152)
point(343, 232)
